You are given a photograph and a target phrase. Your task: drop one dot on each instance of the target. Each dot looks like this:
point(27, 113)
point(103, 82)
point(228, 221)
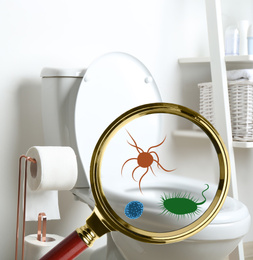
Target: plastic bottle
point(232, 41)
point(243, 31)
point(250, 40)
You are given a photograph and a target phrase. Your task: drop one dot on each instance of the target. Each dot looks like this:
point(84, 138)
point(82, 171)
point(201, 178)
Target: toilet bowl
point(216, 241)
point(77, 105)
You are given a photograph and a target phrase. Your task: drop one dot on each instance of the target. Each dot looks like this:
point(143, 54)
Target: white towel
point(240, 74)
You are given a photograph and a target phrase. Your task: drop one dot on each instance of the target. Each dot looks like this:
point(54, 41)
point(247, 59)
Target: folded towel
point(240, 74)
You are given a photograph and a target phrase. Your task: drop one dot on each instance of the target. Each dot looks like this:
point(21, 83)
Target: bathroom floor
point(248, 251)
point(99, 252)
point(246, 258)
point(250, 257)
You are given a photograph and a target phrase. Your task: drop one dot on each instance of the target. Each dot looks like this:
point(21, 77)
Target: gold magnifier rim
point(103, 209)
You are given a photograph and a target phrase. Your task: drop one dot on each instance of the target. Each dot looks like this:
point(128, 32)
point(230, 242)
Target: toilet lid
point(113, 84)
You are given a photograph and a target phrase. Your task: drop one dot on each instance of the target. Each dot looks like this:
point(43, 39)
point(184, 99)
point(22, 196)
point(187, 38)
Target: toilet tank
point(59, 92)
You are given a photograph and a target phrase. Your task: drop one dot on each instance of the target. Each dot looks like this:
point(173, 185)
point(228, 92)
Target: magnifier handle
point(67, 249)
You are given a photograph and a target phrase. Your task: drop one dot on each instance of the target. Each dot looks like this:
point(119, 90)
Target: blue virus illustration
point(181, 205)
point(134, 209)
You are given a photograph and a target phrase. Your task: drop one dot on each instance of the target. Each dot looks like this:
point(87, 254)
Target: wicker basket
point(241, 108)
point(206, 101)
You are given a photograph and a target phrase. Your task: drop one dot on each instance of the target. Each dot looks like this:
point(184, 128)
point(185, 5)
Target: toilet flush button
point(148, 79)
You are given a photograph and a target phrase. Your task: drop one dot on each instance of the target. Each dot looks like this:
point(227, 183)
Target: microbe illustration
point(144, 160)
point(134, 209)
point(181, 205)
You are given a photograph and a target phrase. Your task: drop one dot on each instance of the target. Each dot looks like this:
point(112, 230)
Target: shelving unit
point(217, 61)
point(240, 59)
point(233, 59)
point(201, 135)
point(236, 60)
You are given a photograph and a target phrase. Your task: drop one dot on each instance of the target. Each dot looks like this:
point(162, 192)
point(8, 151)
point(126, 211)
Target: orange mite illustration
point(145, 160)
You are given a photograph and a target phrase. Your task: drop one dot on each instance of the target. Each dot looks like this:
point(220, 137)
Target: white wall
point(58, 33)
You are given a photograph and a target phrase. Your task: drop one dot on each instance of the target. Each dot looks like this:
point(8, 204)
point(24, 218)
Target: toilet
point(78, 104)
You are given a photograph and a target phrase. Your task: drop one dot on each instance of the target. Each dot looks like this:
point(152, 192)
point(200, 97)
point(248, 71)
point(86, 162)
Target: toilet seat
point(112, 84)
point(232, 222)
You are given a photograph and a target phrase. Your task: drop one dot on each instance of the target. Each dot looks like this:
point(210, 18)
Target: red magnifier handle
point(67, 249)
point(79, 240)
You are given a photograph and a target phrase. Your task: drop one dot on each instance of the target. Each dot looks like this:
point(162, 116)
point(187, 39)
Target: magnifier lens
point(150, 184)
point(156, 181)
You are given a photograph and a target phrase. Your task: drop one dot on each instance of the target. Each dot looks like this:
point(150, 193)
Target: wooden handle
point(67, 249)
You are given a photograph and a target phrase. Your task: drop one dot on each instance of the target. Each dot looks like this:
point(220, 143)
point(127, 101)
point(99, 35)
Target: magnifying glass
point(141, 191)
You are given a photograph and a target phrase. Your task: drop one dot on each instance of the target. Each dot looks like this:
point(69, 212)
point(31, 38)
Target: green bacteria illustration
point(181, 204)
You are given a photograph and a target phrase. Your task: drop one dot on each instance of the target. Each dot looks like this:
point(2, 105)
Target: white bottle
point(231, 41)
point(243, 30)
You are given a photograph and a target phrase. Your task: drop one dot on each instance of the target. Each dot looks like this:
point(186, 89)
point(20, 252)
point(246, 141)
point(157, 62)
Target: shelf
point(242, 144)
point(202, 135)
point(238, 59)
point(190, 133)
point(194, 60)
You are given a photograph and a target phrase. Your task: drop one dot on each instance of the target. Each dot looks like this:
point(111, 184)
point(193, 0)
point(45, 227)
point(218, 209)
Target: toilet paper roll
point(35, 249)
point(55, 169)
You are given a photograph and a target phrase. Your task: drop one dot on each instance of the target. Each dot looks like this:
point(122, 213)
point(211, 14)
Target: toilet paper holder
point(41, 181)
point(42, 226)
point(20, 177)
